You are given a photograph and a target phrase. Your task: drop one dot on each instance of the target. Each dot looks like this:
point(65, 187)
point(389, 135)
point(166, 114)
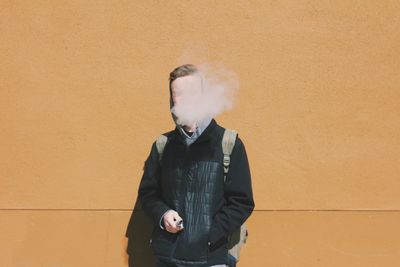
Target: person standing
point(183, 190)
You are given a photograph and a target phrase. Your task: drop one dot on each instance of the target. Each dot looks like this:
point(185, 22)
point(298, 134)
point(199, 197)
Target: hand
point(171, 219)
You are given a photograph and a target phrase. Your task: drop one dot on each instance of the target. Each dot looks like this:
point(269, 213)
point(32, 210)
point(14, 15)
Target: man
point(184, 193)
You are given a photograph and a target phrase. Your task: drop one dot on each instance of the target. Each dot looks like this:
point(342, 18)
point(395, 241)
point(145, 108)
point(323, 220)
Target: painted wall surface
point(84, 93)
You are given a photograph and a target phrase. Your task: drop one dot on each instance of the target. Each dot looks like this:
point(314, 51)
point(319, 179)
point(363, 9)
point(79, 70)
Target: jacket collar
point(205, 135)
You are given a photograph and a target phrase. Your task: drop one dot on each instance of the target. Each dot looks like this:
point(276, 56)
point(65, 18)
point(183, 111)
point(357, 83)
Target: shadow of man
point(138, 233)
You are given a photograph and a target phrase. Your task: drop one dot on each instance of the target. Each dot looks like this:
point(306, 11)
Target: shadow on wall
point(138, 233)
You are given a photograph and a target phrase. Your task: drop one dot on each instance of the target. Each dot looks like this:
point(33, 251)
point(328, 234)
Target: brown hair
point(181, 71)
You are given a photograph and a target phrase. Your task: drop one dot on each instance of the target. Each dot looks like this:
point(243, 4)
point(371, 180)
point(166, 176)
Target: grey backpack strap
point(228, 142)
point(238, 238)
point(160, 143)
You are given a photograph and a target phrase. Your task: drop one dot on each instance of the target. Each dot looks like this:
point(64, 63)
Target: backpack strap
point(160, 143)
point(228, 142)
point(238, 238)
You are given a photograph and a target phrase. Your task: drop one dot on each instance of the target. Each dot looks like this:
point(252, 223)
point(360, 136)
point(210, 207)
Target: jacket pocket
point(192, 245)
point(162, 242)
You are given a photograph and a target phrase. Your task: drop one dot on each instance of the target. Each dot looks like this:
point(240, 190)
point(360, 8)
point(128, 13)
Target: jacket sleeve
point(238, 195)
point(149, 192)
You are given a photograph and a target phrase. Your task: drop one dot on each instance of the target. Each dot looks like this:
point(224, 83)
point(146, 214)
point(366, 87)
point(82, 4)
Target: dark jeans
point(231, 261)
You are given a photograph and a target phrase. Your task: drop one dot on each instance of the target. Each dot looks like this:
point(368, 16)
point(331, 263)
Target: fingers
point(171, 220)
point(172, 229)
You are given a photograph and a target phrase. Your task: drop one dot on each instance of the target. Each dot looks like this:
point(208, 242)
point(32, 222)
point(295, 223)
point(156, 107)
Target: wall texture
point(84, 93)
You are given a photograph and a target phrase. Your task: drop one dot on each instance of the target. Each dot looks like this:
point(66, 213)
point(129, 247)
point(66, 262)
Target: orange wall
point(84, 93)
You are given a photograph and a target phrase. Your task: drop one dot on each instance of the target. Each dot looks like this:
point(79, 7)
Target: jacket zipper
point(184, 179)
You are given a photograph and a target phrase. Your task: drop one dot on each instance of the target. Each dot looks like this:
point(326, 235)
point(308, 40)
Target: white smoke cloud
point(218, 87)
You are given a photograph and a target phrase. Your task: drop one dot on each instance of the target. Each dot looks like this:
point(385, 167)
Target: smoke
point(205, 94)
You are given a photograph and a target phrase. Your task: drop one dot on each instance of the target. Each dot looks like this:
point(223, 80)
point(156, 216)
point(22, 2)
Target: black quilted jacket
point(190, 181)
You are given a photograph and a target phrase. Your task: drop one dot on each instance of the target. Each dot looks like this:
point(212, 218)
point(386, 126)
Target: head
point(186, 88)
point(185, 82)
